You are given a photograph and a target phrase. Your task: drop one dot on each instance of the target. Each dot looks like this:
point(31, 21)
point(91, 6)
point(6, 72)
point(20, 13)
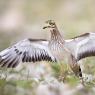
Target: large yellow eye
point(51, 22)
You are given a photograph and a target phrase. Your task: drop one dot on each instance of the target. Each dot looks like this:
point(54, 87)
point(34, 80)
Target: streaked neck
point(55, 35)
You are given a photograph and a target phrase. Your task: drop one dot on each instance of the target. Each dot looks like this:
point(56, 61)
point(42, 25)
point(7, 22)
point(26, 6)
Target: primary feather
point(82, 46)
point(28, 50)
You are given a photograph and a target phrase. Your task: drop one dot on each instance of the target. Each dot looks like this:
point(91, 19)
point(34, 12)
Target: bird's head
point(50, 24)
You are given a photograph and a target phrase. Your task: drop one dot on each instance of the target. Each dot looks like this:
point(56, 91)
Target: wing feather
point(86, 50)
point(82, 46)
point(26, 51)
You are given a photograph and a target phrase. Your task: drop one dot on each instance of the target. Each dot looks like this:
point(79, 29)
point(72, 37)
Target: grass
point(60, 75)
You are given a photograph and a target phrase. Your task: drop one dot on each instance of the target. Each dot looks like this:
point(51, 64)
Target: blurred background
point(20, 19)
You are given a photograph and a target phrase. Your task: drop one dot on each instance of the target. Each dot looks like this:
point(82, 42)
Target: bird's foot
point(87, 79)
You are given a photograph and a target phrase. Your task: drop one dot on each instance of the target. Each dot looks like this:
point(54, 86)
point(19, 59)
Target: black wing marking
point(26, 51)
point(85, 44)
point(86, 50)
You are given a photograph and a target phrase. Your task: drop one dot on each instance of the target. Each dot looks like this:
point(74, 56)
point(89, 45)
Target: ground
point(46, 79)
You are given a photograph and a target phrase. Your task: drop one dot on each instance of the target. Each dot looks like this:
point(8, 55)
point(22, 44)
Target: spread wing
point(28, 50)
point(82, 46)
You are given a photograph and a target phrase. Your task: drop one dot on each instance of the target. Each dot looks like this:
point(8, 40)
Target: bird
point(54, 50)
